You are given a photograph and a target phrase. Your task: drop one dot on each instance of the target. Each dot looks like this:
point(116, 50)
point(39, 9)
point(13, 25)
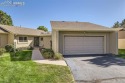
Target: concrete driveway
point(97, 69)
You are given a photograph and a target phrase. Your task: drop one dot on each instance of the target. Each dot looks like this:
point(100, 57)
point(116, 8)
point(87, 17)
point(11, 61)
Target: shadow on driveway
point(103, 60)
point(106, 60)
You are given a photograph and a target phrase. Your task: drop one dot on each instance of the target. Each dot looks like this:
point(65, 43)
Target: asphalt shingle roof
point(22, 30)
point(65, 25)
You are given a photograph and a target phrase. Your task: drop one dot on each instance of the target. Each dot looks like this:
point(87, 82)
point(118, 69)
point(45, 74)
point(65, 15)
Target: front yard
point(21, 69)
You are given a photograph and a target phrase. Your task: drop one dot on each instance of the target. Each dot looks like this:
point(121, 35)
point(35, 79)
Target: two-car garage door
point(83, 45)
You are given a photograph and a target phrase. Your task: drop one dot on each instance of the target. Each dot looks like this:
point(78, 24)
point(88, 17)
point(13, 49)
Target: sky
point(35, 13)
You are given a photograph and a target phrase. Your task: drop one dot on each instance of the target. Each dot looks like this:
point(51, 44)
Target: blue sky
point(40, 12)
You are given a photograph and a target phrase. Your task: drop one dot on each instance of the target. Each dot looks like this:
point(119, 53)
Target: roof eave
point(106, 30)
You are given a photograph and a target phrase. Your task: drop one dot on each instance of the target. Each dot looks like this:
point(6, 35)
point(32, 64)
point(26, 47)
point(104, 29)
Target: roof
point(86, 26)
point(23, 31)
point(119, 29)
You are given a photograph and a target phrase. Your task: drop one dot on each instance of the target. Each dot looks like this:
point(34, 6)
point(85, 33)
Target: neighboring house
point(71, 38)
point(24, 37)
point(68, 38)
point(121, 38)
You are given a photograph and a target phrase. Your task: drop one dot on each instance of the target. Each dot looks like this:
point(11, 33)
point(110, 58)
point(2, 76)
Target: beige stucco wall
point(121, 40)
point(10, 38)
point(121, 43)
point(114, 43)
point(45, 43)
point(30, 42)
point(3, 40)
point(57, 40)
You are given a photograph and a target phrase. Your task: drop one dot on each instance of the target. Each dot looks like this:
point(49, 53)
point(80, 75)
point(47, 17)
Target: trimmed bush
point(30, 48)
point(58, 56)
point(9, 48)
point(24, 48)
point(2, 50)
point(21, 48)
point(21, 55)
point(47, 53)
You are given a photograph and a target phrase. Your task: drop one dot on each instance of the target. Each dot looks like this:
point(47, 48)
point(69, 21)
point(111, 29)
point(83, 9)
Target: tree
point(116, 25)
point(5, 19)
point(42, 28)
point(123, 23)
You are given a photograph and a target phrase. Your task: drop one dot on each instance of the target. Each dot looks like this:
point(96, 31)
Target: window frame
point(23, 39)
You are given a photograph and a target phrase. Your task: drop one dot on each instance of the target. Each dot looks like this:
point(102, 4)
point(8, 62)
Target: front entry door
point(36, 41)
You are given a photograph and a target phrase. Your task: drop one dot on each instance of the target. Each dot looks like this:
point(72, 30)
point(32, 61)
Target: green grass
point(21, 55)
point(121, 53)
point(31, 72)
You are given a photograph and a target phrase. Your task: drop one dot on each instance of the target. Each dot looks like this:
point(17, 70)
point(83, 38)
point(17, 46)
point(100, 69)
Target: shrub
point(24, 48)
point(58, 56)
point(30, 48)
point(2, 50)
point(47, 53)
point(21, 55)
point(9, 48)
point(21, 48)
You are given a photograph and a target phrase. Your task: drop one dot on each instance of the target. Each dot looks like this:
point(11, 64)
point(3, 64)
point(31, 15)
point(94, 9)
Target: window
point(22, 39)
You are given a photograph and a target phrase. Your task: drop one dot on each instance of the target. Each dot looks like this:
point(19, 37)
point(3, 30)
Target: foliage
point(24, 48)
point(21, 55)
point(9, 48)
point(116, 25)
point(121, 53)
point(123, 23)
point(2, 50)
point(31, 72)
point(5, 19)
point(58, 56)
point(30, 48)
point(47, 53)
point(42, 28)
point(21, 48)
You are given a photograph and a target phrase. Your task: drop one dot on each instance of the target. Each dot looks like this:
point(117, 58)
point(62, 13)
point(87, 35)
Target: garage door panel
point(83, 45)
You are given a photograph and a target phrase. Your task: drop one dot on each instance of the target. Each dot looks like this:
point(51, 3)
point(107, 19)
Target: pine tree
point(5, 19)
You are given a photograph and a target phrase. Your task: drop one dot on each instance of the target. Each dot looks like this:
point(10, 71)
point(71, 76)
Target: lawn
point(14, 71)
point(121, 53)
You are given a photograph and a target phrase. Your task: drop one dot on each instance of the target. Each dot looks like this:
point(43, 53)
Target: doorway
point(36, 41)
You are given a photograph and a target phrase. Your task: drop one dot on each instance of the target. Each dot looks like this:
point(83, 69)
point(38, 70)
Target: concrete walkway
point(37, 57)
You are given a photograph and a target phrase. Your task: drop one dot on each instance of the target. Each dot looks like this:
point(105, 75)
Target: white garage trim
point(78, 35)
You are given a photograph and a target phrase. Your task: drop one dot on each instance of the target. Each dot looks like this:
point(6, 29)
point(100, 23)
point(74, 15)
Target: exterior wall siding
point(106, 38)
point(114, 43)
point(121, 43)
point(3, 40)
point(30, 42)
point(10, 38)
point(110, 40)
point(55, 40)
point(121, 40)
point(46, 43)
